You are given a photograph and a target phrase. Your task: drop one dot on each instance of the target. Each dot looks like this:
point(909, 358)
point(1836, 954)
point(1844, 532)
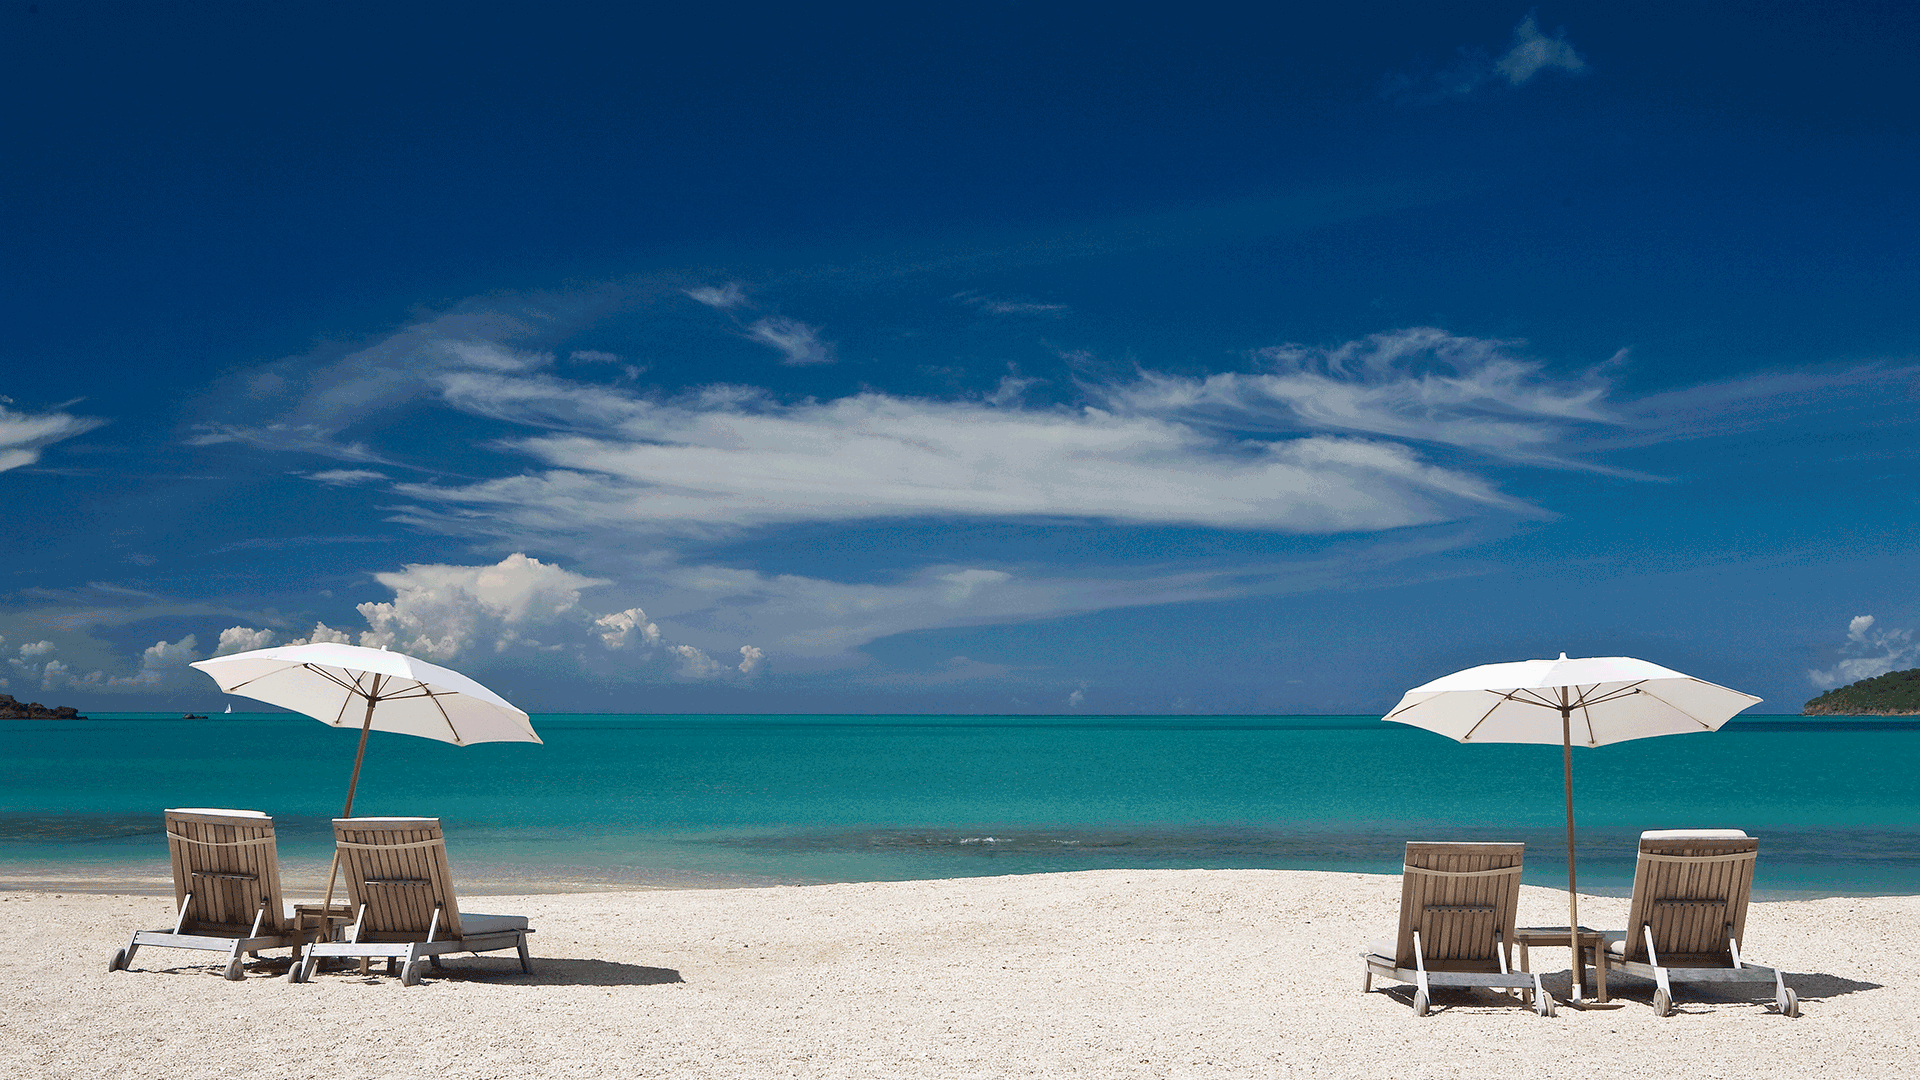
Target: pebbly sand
point(1110, 973)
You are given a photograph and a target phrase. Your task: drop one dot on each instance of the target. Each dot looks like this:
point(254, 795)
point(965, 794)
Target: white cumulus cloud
point(242, 639)
point(441, 610)
point(750, 659)
point(323, 634)
point(161, 663)
point(1867, 652)
point(693, 663)
point(619, 629)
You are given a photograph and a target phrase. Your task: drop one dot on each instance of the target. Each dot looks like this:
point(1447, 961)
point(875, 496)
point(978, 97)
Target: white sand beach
point(1111, 973)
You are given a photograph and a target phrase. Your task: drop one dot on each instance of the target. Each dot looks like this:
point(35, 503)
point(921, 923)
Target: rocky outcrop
point(33, 710)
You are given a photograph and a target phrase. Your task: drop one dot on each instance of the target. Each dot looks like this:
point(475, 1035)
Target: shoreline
point(299, 877)
point(1158, 973)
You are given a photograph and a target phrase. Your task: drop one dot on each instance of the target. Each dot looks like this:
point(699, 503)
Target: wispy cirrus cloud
point(1420, 384)
point(1359, 438)
point(797, 343)
point(24, 435)
point(346, 477)
point(993, 306)
point(1530, 51)
point(723, 297)
point(706, 466)
point(313, 402)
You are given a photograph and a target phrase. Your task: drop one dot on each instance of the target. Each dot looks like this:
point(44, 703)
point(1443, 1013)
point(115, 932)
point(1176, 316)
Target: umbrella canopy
point(1593, 700)
point(1607, 699)
point(334, 683)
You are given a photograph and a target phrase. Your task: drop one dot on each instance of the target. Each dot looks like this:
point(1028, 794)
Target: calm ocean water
point(678, 800)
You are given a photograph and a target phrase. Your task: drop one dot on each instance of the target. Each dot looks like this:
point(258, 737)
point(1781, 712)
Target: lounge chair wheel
point(1793, 1005)
point(410, 975)
point(236, 971)
point(1543, 1004)
point(1662, 1003)
point(117, 962)
point(1420, 1003)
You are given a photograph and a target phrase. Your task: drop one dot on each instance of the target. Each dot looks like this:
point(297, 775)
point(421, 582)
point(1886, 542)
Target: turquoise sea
point(701, 800)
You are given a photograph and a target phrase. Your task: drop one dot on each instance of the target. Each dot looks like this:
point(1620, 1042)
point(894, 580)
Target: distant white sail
point(229, 708)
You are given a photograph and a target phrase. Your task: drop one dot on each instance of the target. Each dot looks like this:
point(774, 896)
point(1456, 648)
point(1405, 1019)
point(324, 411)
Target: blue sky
point(999, 357)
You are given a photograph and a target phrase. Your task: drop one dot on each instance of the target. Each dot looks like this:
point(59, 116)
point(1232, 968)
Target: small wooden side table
point(311, 923)
point(1551, 936)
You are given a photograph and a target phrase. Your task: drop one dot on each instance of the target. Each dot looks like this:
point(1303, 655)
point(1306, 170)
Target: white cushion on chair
point(1694, 834)
point(472, 925)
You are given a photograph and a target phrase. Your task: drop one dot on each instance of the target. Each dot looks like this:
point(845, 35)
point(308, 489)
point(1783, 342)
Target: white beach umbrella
point(387, 691)
point(1593, 701)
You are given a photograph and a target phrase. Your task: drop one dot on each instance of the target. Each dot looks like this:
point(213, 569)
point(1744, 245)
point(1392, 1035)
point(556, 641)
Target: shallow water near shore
point(680, 801)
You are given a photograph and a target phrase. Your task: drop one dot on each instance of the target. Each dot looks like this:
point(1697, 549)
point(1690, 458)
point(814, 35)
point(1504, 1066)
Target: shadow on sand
point(547, 971)
point(1627, 990)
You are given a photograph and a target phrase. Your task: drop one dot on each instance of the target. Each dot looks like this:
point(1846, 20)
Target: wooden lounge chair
point(1457, 906)
point(1689, 915)
point(401, 894)
point(226, 887)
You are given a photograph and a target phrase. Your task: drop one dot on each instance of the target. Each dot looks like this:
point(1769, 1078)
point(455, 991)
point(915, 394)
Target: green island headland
point(1897, 693)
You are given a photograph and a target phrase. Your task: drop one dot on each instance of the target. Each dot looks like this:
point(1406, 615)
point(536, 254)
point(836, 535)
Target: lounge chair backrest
point(1689, 886)
point(1457, 896)
point(397, 867)
point(227, 861)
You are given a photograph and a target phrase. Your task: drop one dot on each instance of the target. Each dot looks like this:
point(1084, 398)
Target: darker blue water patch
point(849, 798)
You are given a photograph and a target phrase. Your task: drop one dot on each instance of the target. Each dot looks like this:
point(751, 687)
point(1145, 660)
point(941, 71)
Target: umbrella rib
point(1533, 697)
point(419, 690)
point(451, 730)
point(352, 687)
point(1704, 726)
point(1509, 696)
point(1611, 695)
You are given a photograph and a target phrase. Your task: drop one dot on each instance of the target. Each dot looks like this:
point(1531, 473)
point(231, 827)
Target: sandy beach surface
point(1111, 973)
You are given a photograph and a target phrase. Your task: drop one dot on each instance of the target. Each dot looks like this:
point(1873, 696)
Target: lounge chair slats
point(400, 889)
point(1689, 907)
point(226, 888)
point(1457, 911)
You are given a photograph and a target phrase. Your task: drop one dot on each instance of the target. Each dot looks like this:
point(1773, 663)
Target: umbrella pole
point(1573, 895)
point(359, 756)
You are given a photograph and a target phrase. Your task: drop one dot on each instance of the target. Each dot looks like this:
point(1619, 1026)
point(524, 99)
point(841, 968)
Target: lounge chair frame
point(1689, 915)
point(226, 888)
point(1457, 913)
point(400, 890)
